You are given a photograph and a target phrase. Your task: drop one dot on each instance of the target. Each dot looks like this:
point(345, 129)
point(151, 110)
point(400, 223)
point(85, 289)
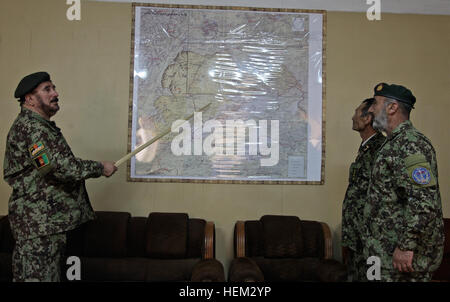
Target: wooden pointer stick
point(165, 132)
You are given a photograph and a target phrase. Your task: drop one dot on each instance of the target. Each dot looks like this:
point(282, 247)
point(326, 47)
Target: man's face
point(379, 111)
point(46, 98)
point(360, 122)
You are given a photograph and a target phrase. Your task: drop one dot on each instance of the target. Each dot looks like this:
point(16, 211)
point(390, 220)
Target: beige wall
point(89, 63)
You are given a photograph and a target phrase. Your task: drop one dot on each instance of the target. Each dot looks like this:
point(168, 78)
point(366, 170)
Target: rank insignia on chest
point(36, 148)
point(421, 176)
point(41, 161)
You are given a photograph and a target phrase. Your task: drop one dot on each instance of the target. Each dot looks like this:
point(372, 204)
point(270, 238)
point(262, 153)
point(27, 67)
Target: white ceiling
point(429, 7)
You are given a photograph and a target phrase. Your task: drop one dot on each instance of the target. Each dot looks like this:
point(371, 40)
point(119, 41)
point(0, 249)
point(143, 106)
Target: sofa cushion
point(196, 238)
point(167, 235)
point(170, 269)
point(136, 269)
point(113, 269)
point(313, 239)
point(282, 236)
point(254, 238)
point(288, 269)
point(137, 236)
point(303, 269)
point(106, 236)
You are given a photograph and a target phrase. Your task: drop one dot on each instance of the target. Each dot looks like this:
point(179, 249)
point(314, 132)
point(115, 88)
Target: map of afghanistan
point(252, 68)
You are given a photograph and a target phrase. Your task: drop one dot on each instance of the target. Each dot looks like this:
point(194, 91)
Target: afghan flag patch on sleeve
point(41, 160)
point(36, 148)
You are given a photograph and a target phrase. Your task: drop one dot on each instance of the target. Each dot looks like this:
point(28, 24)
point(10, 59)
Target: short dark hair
point(365, 109)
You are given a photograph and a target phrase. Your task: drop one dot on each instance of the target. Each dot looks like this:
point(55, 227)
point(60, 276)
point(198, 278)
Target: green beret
point(396, 92)
point(31, 81)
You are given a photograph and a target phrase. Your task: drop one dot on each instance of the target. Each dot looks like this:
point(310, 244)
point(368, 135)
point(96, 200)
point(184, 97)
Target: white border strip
point(137, 37)
point(314, 160)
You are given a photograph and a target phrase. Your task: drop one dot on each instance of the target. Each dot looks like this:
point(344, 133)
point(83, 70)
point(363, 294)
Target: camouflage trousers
point(356, 267)
point(396, 276)
point(38, 259)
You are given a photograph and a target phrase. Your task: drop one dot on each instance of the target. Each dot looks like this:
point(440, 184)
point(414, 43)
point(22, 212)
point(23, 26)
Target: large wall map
point(261, 72)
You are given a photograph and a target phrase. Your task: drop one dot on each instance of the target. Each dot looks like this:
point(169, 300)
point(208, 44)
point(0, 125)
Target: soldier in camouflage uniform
point(356, 194)
point(49, 196)
point(403, 214)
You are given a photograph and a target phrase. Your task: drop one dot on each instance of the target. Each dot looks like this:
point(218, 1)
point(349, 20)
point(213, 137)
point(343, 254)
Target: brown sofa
point(284, 248)
point(118, 247)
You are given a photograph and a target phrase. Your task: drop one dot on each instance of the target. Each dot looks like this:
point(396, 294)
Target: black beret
point(31, 81)
point(396, 92)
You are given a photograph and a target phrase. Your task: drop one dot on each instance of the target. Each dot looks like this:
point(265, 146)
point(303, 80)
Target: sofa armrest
point(208, 252)
point(330, 270)
point(208, 270)
point(328, 242)
point(244, 269)
point(239, 235)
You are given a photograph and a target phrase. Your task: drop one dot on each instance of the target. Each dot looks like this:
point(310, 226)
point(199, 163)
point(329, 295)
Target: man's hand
point(402, 260)
point(108, 168)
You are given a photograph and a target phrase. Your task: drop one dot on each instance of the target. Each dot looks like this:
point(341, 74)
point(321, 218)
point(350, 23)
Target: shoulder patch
point(41, 161)
point(419, 171)
point(421, 176)
point(36, 148)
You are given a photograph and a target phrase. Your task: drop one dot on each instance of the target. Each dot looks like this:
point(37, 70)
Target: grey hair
point(405, 109)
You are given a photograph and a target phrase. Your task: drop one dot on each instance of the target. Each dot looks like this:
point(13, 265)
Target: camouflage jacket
point(49, 194)
point(356, 194)
point(404, 205)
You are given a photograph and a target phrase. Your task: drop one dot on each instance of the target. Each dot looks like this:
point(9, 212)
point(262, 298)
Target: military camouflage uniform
point(404, 205)
point(353, 205)
point(49, 195)
point(39, 259)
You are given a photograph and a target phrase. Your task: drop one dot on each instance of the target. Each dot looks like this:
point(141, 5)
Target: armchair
point(284, 248)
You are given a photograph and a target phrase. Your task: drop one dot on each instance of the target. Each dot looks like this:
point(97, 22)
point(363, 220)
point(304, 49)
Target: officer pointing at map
point(403, 212)
point(49, 196)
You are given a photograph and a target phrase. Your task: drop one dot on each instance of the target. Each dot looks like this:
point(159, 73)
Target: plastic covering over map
point(261, 72)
